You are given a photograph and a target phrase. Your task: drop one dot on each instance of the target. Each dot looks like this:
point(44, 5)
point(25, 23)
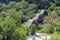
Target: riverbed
point(39, 36)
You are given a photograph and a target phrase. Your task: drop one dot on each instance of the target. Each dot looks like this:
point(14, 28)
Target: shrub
point(54, 36)
point(20, 34)
point(1, 37)
point(47, 29)
point(33, 29)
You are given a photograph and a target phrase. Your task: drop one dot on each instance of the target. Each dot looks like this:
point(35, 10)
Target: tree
point(33, 29)
point(15, 15)
point(19, 34)
point(51, 22)
point(57, 2)
point(8, 28)
point(11, 5)
point(55, 36)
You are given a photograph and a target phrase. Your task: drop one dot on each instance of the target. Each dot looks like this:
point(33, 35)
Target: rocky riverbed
point(39, 36)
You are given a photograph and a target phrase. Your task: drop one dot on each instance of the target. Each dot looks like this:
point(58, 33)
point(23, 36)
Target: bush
point(55, 36)
point(47, 29)
point(1, 37)
point(20, 34)
point(52, 7)
point(33, 29)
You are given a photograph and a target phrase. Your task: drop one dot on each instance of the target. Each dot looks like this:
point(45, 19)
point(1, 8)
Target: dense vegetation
point(14, 13)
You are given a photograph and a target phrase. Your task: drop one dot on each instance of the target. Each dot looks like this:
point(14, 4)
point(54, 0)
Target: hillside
point(21, 18)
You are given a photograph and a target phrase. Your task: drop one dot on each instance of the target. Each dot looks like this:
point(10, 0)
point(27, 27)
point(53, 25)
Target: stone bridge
point(35, 18)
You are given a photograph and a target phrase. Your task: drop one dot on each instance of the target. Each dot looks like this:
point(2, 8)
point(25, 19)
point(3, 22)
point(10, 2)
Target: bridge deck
point(30, 21)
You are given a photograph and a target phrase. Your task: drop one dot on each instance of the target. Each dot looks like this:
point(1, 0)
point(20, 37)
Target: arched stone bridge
point(36, 17)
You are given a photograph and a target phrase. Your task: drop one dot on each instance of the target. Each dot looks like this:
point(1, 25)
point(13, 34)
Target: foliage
point(55, 36)
point(33, 29)
point(33, 39)
point(19, 34)
point(1, 37)
point(14, 14)
point(47, 29)
point(51, 22)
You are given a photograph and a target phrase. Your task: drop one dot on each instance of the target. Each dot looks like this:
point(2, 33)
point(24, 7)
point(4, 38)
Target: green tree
point(19, 34)
point(33, 29)
point(55, 36)
point(51, 22)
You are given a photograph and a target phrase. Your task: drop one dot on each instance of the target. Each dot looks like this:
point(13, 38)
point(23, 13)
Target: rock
point(39, 36)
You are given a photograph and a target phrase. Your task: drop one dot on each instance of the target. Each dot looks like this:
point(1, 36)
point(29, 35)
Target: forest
point(15, 13)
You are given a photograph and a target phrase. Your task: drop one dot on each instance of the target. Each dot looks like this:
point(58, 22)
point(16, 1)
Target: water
point(39, 36)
